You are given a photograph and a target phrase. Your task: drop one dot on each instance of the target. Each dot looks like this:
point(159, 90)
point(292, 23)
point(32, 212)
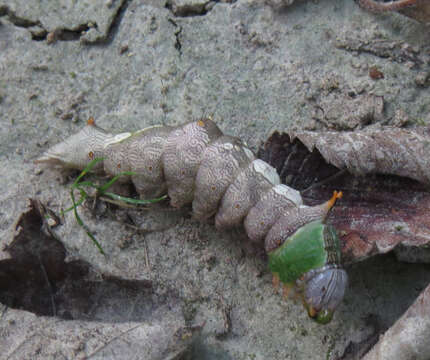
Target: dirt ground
point(255, 66)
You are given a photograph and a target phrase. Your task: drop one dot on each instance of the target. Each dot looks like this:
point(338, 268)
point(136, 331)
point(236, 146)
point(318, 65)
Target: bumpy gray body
point(197, 164)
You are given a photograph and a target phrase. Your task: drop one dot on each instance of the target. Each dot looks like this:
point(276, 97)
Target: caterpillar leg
point(310, 260)
point(286, 289)
point(312, 312)
point(275, 282)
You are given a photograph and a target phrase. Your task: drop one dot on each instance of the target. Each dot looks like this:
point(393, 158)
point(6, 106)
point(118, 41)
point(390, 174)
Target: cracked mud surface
point(88, 21)
point(257, 67)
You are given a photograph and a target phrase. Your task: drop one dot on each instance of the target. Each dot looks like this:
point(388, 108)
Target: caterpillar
point(220, 177)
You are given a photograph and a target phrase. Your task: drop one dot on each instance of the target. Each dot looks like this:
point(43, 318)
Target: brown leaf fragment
point(408, 338)
point(420, 12)
point(36, 277)
point(375, 218)
point(388, 150)
point(378, 210)
point(375, 73)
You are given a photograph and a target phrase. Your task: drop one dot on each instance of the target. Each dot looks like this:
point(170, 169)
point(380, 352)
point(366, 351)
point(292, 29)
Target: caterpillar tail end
point(336, 195)
point(275, 281)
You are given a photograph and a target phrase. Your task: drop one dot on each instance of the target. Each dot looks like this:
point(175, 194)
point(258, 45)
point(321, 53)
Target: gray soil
point(255, 66)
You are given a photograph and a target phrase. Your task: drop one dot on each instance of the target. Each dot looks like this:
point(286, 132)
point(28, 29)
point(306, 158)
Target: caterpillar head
point(309, 258)
point(324, 290)
point(79, 149)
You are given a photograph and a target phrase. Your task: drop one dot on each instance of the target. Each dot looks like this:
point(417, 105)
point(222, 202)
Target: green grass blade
point(135, 201)
point(102, 189)
point(87, 169)
point(83, 197)
point(81, 223)
point(78, 203)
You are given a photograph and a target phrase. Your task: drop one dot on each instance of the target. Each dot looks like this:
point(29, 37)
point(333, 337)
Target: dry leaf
point(419, 12)
point(38, 278)
point(393, 151)
point(383, 173)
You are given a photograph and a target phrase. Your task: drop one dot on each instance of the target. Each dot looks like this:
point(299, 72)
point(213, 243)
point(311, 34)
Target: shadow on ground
point(38, 279)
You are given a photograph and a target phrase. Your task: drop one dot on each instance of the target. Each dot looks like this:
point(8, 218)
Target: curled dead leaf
point(38, 277)
point(391, 151)
point(384, 174)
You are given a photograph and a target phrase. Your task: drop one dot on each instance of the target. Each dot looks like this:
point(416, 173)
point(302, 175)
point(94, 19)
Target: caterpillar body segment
point(140, 153)
point(181, 158)
point(79, 149)
point(295, 217)
point(263, 215)
point(196, 164)
point(221, 163)
point(244, 192)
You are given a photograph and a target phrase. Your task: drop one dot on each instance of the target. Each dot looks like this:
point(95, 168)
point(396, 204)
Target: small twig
point(51, 292)
point(325, 181)
point(284, 169)
point(113, 339)
point(117, 203)
point(148, 265)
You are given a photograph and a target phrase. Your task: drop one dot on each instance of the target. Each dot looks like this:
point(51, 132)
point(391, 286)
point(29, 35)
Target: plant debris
point(384, 174)
point(38, 278)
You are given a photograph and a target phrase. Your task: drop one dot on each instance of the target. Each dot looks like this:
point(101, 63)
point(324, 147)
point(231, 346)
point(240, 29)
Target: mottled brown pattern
point(199, 162)
point(116, 160)
point(145, 158)
point(76, 151)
